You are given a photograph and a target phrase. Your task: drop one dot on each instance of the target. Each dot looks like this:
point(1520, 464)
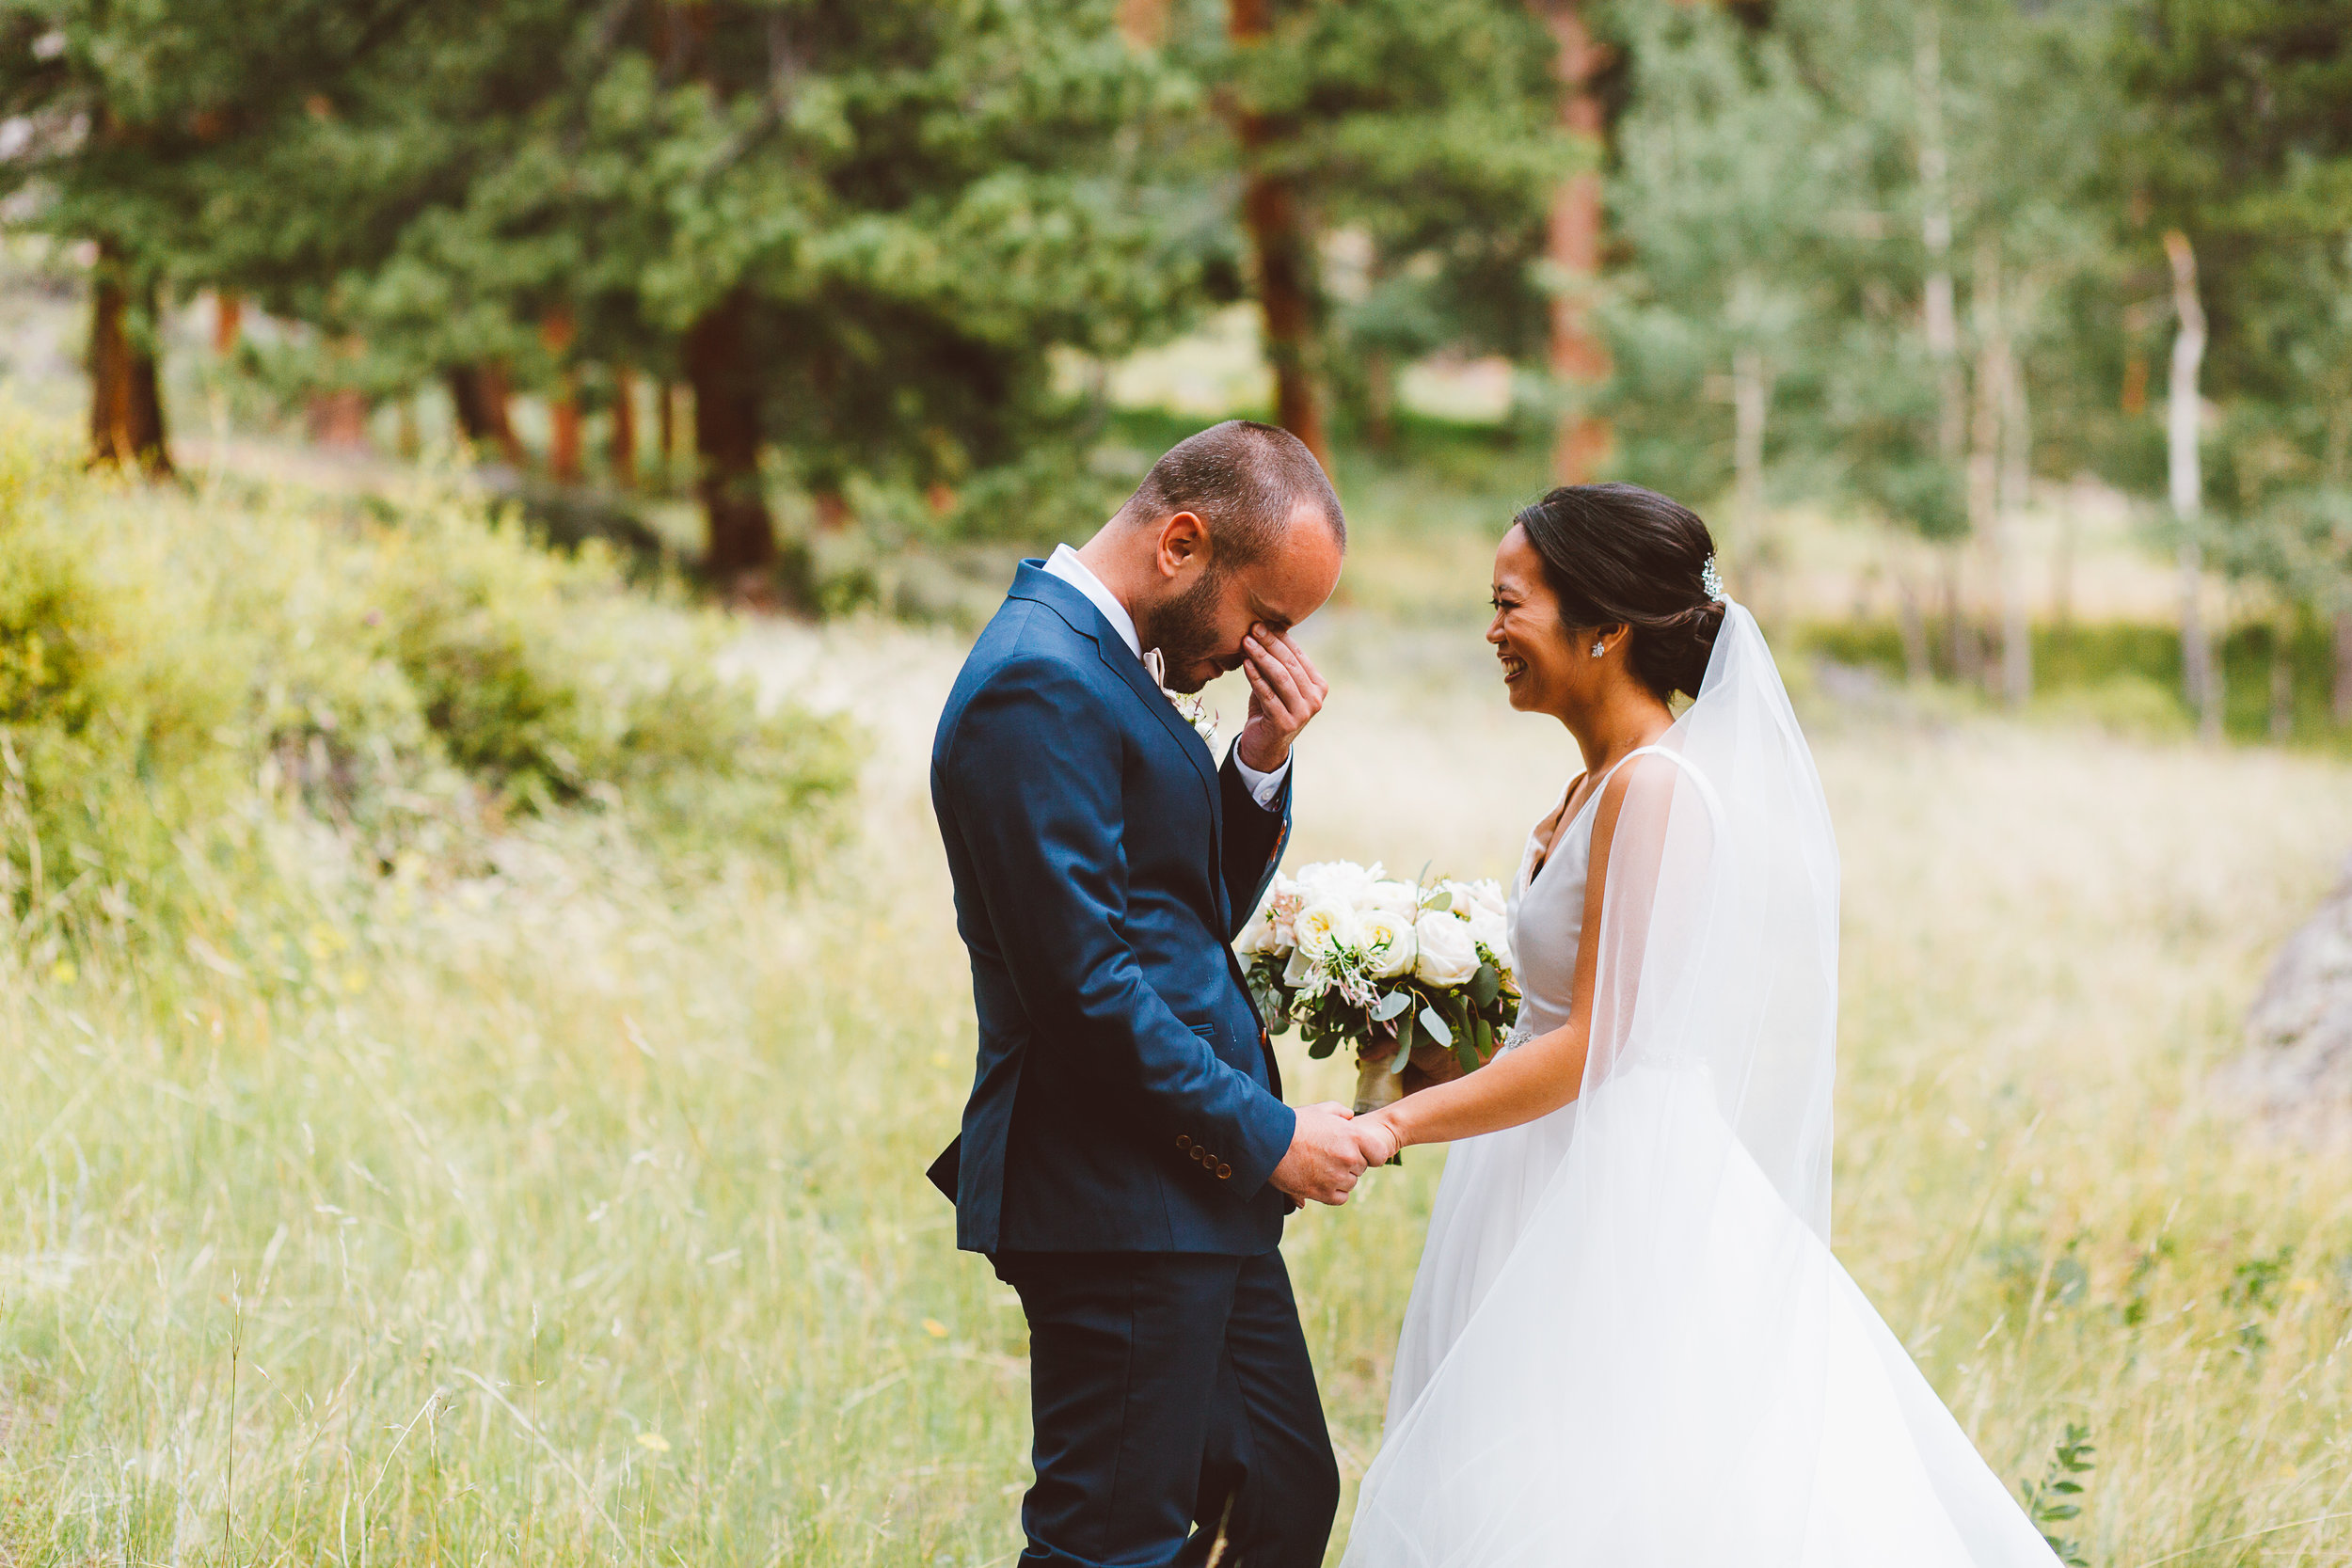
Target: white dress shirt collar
point(1065, 564)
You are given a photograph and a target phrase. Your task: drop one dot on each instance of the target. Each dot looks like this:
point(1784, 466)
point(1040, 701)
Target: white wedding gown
point(1628, 1345)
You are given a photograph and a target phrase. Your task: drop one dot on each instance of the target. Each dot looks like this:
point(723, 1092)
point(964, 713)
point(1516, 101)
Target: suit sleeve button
point(1183, 1140)
point(1224, 1172)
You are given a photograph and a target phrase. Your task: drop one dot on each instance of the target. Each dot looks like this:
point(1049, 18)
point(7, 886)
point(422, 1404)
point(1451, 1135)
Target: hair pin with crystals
point(1711, 580)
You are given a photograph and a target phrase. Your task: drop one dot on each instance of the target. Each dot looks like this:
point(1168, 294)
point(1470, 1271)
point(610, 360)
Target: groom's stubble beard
point(1184, 631)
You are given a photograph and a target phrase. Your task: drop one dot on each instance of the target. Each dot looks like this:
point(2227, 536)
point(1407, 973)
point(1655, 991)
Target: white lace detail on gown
point(1628, 1344)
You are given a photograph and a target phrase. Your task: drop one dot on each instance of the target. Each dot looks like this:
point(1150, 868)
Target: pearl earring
point(1599, 647)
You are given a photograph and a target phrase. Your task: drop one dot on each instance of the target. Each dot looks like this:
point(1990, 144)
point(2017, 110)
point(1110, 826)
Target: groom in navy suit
point(1126, 1160)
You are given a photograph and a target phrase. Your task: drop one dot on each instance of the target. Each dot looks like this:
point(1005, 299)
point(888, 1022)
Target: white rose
point(1492, 931)
point(1337, 879)
point(1324, 927)
point(1388, 945)
point(1257, 937)
point(1487, 894)
point(1302, 971)
point(1397, 898)
point(1445, 956)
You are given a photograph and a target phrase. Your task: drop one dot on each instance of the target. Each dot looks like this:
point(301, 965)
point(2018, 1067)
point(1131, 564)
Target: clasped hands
point(1330, 1149)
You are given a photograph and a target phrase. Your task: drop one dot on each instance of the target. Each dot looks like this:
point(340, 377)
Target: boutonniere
point(1194, 708)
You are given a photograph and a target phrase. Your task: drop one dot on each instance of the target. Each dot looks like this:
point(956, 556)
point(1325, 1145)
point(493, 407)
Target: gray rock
point(2297, 1067)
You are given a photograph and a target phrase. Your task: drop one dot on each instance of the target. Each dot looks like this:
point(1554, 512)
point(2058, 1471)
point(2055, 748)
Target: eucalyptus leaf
point(1437, 1026)
point(1439, 901)
point(1486, 985)
point(1323, 1047)
point(1398, 1063)
point(1392, 1004)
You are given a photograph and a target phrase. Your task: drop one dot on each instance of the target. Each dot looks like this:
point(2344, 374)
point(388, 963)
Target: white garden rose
point(1397, 898)
point(1257, 937)
point(1492, 931)
point(1487, 894)
point(1444, 956)
point(1388, 945)
point(1342, 880)
point(1326, 926)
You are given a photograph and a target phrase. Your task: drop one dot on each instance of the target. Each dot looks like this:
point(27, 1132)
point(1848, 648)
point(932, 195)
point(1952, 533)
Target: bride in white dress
point(1628, 1344)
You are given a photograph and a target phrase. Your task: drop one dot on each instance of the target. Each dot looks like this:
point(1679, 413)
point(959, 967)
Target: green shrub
point(411, 679)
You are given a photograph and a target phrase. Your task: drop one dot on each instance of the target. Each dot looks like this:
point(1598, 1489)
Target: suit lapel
point(1034, 582)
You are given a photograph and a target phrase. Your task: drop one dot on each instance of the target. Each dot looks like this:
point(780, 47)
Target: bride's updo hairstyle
point(1619, 554)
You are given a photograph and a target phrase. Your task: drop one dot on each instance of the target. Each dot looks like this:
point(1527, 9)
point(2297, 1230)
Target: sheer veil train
point(1629, 1342)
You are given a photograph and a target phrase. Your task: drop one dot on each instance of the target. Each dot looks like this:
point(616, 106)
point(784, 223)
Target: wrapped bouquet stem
point(1349, 956)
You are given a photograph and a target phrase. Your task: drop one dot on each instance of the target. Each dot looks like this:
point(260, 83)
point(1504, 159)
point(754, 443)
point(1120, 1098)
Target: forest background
point(491, 496)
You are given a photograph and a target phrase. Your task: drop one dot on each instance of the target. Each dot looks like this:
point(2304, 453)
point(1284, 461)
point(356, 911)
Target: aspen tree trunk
point(623, 448)
point(1283, 254)
point(1579, 360)
point(1938, 307)
point(2200, 673)
point(126, 408)
point(1911, 622)
point(742, 532)
point(2017, 485)
point(2282, 629)
point(2342, 704)
point(1935, 224)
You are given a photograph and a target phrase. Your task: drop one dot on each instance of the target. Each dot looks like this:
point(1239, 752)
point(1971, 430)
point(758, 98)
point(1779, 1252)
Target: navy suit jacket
point(1126, 1097)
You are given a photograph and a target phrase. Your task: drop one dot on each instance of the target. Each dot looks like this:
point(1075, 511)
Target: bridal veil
point(1642, 1353)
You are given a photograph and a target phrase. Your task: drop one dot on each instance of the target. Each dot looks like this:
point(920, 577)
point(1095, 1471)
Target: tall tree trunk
point(1143, 22)
point(337, 418)
point(742, 532)
point(1990, 516)
point(1935, 233)
point(623, 448)
point(557, 332)
point(478, 395)
point(1751, 404)
point(666, 419)
point(2283, 626)
point(228, 320)
point(2016, 485)
point(2200, 672)
point(1283, 253)
point(126, 407)
point(1911, 623)
point(2341, 705)
point(1579, 360)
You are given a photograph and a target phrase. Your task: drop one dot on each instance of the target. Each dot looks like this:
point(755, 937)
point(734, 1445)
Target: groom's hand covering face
point(1207, 609)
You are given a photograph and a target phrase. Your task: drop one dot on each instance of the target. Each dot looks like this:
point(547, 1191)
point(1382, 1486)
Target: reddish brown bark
point(665, 415)
point(742, 532)
point(228, 318)
point(126, 409)
point(557, 332)
point(1143, 22)
point(1283, 254)
point(1579, 360)
point(623, 451)
point(337, 418)
point(478, 393)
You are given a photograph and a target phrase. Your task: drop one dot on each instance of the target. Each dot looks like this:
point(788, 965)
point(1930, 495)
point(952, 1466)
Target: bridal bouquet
point(1350, 955)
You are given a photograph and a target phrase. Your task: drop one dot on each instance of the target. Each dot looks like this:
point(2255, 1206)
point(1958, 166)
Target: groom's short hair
point(1245, 481)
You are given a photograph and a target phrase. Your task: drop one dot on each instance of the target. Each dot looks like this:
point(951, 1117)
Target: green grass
point(558, 1204)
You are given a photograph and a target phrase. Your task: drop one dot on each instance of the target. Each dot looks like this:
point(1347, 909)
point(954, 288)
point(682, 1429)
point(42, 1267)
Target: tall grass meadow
point(484, 1146)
